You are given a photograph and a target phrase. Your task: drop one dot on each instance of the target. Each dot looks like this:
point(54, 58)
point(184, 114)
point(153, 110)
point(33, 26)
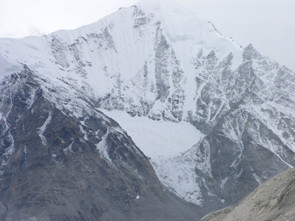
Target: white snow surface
point(170, 148)
point(159, 140)
point(42, 129)
point(102, 147)
point(183, 29)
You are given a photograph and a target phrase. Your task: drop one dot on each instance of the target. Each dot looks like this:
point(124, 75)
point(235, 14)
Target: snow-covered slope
point(158, 61)
point(145, 55)
point(159, 140)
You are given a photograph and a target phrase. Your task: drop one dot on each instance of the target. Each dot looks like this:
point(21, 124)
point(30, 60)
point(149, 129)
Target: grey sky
point(268, 24)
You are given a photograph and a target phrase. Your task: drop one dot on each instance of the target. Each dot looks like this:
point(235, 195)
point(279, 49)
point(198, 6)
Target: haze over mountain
point(20, 29)
point(212, 119)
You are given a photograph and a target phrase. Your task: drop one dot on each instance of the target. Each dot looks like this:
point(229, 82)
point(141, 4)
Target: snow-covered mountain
point(215, 119)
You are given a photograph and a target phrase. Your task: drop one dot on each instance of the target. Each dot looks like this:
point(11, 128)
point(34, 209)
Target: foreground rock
point(273, 200)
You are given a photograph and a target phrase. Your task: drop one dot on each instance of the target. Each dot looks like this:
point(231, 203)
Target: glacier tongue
point(169, 147)
point(159, 140)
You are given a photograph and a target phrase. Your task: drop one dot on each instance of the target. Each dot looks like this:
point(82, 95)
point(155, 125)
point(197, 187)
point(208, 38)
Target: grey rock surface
point(273, 200)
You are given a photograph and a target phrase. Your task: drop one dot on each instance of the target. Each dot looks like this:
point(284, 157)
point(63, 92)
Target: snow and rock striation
point(157, 61)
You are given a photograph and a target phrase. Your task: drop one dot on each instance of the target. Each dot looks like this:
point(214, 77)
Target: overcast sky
point(268, 24)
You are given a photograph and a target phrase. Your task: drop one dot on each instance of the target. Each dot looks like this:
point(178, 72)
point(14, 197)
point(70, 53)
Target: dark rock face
point(273, 200)
point(58, 167)
point(236, 173)
point(249, 143)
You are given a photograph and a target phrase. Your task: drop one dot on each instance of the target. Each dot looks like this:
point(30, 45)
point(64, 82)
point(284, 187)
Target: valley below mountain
point(149, 113)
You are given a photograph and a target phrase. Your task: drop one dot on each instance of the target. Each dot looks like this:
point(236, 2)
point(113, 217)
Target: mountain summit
point(214, 120)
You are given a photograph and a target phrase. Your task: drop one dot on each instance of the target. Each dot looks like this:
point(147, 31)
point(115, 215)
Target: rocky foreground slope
point(273, 200)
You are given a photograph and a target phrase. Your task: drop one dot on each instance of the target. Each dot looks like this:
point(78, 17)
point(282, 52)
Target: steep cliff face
point(56, 166)
point(157, 61)
point(252, 141)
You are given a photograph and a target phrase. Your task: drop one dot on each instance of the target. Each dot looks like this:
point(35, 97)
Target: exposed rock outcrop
point(273, 200)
